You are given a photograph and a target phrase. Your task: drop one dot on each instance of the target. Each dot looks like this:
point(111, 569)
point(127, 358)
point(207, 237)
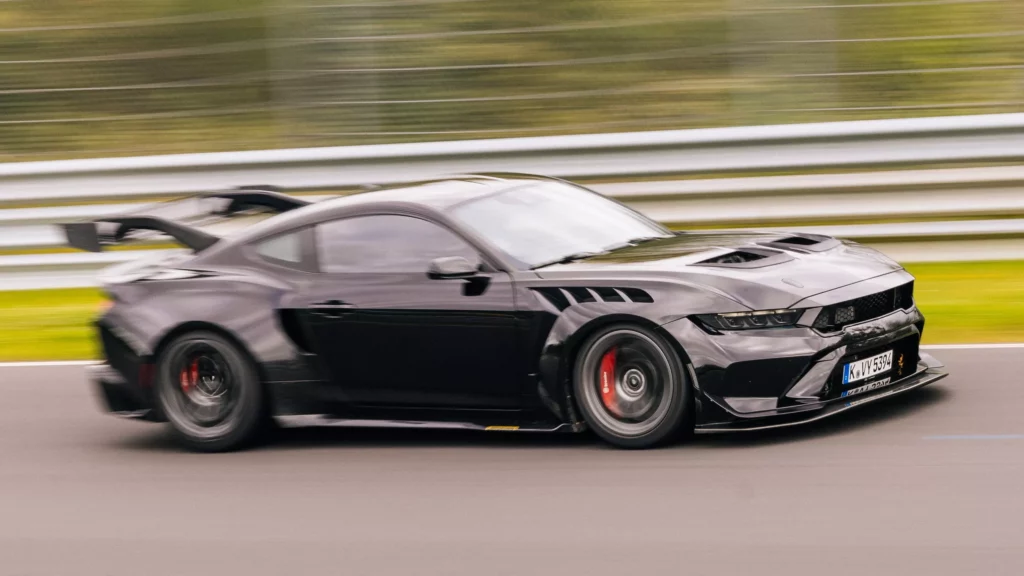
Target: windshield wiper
point(634, 242)
point(570, 258)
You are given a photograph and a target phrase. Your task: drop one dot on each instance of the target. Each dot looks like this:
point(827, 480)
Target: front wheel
point(631, 387)
point(210, 393)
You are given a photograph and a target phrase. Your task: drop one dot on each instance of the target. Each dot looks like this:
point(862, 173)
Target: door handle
point(331, 308)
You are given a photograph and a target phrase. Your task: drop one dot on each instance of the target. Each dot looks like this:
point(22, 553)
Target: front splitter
point(810, 414)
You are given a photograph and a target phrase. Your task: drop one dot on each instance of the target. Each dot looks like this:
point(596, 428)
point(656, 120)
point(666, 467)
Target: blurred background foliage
point(116, 77)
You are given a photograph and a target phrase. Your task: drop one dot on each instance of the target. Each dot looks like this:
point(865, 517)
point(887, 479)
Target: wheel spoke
point(205, 392)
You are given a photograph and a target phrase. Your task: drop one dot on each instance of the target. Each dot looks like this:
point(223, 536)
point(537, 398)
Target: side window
point(386, 244)
point(284, 249)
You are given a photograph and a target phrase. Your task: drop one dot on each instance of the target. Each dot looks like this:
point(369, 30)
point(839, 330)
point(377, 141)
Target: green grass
point(48, 324)
point(971, 301)
point(963, 302)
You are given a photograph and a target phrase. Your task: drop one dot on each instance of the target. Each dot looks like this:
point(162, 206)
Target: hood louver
point(562, 298)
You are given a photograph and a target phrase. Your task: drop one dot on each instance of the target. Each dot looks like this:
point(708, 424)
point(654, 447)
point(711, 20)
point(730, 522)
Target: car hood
point(758, 270)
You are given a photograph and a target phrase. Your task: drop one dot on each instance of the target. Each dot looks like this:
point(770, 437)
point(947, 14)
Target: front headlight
point(751, 320)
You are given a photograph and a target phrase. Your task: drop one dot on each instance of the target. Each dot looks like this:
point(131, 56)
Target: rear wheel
point(210, 393)
point(631, 387)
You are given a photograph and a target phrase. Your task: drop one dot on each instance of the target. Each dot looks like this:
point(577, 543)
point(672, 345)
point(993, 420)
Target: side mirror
point(451, 267)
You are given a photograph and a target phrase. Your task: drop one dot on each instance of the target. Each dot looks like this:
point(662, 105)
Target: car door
point(390, 335)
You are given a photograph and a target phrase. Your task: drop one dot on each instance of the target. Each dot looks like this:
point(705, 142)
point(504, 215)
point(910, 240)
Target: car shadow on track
point(903, 406)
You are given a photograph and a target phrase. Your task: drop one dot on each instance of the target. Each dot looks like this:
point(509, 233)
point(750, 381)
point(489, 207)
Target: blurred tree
point(109, 77)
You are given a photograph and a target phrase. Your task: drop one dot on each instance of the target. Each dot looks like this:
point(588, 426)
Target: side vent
point(293, 329)
point(637, 295)
point(559, 297)
point(581, 295)
point(609, 294)
point(555, 296)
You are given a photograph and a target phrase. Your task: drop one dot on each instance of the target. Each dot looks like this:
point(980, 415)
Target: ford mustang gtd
point(502, 302)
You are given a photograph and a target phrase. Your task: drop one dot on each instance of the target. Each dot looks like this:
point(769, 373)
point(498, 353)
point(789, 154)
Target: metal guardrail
point(638, 162)
point(875, 143)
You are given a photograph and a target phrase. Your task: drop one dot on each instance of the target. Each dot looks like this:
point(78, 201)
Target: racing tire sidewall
point(245, 422)
point(675, 421)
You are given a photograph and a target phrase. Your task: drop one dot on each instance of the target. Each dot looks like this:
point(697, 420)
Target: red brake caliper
point(189, 375)
point(608, 380)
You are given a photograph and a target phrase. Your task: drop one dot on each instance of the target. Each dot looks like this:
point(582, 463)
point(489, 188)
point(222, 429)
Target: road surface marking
point(44, 364)
point(977, 437)
point(971, 346)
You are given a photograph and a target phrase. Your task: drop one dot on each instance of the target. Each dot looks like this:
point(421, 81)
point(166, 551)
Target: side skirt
point(312, 420)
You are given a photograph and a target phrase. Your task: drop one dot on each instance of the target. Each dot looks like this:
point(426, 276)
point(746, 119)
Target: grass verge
point(48, 324)
point(963, 302)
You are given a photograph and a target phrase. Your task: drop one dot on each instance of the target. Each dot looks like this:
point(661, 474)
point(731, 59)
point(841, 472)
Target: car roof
point(440, 194)
point(436, 195)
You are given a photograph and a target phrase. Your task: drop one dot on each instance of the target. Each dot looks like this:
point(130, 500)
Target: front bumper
point(763, 379)
point(119, 397)
point(929, 370)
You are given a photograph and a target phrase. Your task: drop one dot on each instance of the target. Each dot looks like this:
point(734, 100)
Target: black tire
point(631, 387)
point(210, 393)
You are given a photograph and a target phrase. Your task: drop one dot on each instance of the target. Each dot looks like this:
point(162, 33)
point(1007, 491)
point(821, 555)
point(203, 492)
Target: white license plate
point(866, 368)
point(867, 387)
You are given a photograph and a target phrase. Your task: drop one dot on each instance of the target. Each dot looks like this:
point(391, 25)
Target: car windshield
point(551, 222)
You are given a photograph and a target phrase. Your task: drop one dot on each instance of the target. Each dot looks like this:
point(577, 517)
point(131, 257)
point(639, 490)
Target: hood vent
point(737, 257)
point(562, 298)
point(798, 240)
point(805, 243)
point(746, 257)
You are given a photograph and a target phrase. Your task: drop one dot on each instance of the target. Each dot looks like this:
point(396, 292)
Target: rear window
point(292, 249)
point(286, 248)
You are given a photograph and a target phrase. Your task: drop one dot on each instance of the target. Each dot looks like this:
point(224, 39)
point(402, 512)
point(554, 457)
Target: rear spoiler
point(182, 220)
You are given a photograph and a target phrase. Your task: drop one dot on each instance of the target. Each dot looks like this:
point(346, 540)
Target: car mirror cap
point(452, 267)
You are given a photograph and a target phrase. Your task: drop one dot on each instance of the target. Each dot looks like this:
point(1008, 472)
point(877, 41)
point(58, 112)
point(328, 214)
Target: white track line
point(972, 346)
point(45, 364)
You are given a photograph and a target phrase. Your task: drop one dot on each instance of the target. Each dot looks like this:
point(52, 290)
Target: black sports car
point(503, 302)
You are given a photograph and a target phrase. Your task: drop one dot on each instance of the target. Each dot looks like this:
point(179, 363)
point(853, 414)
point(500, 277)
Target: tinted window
point(543, 223)
point(286, 248)
point(386, 244)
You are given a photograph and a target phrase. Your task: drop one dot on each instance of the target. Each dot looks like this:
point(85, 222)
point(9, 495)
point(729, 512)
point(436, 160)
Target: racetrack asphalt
point(931, 482)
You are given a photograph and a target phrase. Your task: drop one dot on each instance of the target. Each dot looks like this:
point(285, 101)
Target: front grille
point(835, 317)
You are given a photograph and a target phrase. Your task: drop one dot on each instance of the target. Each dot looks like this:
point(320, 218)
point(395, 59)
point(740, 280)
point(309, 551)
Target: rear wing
point(190, 221)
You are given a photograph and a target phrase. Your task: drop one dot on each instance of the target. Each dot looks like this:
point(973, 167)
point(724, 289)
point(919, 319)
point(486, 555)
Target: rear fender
point(150, 314)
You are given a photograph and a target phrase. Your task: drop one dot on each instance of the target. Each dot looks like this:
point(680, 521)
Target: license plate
point(866, 368)
point(867, 387)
